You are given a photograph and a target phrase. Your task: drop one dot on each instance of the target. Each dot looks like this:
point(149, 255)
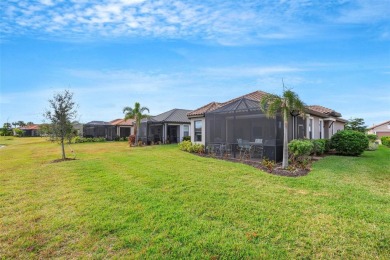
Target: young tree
point(356, 124)
point(272, 105)
point(7, 129)
point(137, 114)
point(62, 111)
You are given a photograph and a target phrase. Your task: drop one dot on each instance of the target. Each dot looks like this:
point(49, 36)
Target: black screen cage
point(243, 121)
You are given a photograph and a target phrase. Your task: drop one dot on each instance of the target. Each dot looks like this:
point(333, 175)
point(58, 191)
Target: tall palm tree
point(137, 114)
point(289, 102)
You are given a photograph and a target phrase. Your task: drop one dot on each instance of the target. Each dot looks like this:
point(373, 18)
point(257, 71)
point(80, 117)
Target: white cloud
point(225, 22)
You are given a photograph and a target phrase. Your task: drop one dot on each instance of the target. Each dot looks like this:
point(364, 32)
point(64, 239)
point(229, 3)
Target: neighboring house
point(124, 128)
point(380, 130)
point(110, 130)
point(168, 127)
point(30, 130)
point(241, 119)
point(78, 127)
point(99, 129)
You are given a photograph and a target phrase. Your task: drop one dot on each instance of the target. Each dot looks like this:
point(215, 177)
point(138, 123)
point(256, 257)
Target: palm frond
point(270, 104)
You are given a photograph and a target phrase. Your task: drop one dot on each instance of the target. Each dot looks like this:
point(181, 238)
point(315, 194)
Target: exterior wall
point(327, 132)
point(181, 132)
point(192, 131)
point(338, 126)
point(315, 127)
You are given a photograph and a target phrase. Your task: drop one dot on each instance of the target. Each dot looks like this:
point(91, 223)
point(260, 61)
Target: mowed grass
point(158, 202)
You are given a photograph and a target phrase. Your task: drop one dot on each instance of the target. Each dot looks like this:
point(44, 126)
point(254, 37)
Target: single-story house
point(124, 128)
point(380, 130)
point(30, 130)
point(241, 119)
point(168, 127)
point(109, 130)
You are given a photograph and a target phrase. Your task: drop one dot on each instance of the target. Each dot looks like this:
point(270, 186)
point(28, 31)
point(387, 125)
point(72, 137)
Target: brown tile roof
point(207, 108)
point(324, 110)
point(30, 127)
point(122, 122)
point(256, 96)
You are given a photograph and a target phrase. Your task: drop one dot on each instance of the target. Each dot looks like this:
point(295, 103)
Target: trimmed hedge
point(349, 142)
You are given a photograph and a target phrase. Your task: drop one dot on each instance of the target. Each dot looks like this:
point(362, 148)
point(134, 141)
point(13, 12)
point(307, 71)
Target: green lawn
point(158, 202)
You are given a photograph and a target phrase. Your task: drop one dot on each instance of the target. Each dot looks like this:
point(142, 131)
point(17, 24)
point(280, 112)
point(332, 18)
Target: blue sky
point(183, 54)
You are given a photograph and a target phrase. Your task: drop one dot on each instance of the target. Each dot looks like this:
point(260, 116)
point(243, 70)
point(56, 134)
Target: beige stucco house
point(380, 130)
point(241, 119)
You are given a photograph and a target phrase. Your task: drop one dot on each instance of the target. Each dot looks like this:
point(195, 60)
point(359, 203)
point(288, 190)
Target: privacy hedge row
point(349, 142)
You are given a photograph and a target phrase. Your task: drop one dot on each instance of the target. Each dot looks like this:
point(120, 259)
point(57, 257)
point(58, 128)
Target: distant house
point(99, 129)
point(30, 130)
point(229, 123)
point(380, 130)
point(168, 127)
point(124, 128)
point(117, 128)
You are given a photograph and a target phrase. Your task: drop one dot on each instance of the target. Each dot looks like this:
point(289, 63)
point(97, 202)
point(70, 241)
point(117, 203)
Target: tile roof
point(207, 108)
point(175, 115)
point(255, 96)
point(374, 126)
point(30, 127)
point(122, 122)
point(324, 110)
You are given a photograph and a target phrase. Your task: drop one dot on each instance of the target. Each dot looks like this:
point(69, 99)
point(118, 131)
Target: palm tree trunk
point(136, 134)
point(285, 140)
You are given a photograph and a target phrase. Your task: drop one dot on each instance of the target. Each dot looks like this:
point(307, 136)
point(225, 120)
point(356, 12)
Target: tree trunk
point(136, 135)
point(285, 140)
point(63, 148)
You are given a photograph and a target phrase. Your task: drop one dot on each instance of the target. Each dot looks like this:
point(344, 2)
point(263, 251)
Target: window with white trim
point(186, 130)
point(310, 128)
point(198, 130)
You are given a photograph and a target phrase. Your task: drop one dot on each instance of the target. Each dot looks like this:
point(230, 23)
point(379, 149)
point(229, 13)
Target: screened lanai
point(240, 128)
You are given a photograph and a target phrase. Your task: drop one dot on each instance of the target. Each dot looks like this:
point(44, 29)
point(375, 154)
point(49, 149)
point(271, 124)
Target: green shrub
point(190, 147)
point(327, 145)
point(349, 142)
point(300, 149)
point(185, 145)
point(79, 139)
point(187, 138)
point(372, 137)
point(385, 140)
point(318, 146)
point(372, 146)
point(18, 132)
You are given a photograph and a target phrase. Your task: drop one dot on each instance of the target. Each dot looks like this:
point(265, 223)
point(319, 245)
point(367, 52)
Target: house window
point(311, 128)
point(186, 130)
point(321, 127)
point(198, 131)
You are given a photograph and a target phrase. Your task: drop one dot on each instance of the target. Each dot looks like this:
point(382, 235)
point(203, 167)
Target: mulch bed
point(277, 170)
